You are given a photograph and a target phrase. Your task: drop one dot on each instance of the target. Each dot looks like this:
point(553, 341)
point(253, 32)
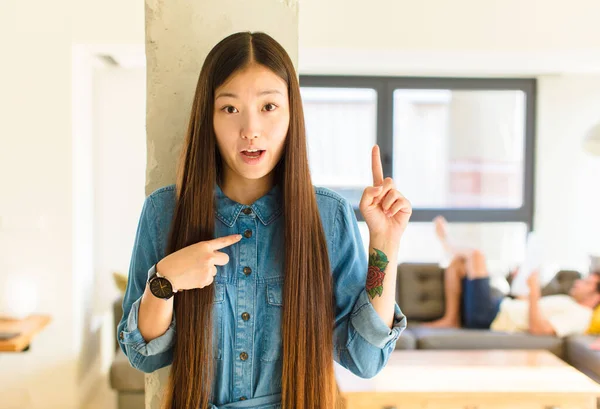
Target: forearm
point(383, 293)
point(538, 325)
point(155, 315)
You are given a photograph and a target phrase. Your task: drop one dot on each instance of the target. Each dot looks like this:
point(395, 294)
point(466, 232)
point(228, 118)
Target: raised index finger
point(376, 166)
point(225, 241)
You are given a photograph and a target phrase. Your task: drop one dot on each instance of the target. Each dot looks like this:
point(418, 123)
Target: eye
point(270, 107)
point(229, 109)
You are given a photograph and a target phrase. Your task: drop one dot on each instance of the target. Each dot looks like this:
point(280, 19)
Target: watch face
point(161, 287)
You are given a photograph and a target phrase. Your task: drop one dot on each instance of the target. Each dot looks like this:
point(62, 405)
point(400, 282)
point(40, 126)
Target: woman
point(269, 271)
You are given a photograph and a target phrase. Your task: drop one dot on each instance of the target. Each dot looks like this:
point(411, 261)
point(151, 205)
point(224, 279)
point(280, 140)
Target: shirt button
point(121, 336)
point(243, 398)
point(247, 270)
point(243, 356)
point(245, 316)
point(247, 211)
point(248, 234)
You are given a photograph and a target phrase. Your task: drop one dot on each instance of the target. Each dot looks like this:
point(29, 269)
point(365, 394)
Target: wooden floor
point(475, 379)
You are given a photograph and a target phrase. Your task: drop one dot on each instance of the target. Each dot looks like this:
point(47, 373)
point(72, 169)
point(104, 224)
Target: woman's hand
point(384, 209)
point(194, 266)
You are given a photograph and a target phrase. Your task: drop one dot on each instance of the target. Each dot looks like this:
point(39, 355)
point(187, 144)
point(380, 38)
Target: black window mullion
point(529, 155)
point(385, 138)
point(471, 215)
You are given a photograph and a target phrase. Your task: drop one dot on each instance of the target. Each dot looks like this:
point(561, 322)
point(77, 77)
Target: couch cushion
point(406, 341)
point(561, 283)
point(420, 290)
point(579, 354)
point(447, 338)
point(124, 377)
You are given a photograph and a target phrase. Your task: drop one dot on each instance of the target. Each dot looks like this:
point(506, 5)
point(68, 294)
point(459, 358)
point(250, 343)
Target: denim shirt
point(247, 305)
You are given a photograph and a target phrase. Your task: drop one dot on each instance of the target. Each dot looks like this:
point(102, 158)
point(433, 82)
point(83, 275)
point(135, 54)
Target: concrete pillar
point(179, 35)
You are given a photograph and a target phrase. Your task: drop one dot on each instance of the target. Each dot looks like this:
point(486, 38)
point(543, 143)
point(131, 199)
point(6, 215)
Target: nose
point(251, 127)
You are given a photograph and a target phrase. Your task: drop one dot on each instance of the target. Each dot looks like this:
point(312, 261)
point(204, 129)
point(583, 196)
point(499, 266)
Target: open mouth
point(252, 156)
point(254, 153)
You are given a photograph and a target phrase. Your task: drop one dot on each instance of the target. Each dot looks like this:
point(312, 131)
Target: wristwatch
point(160, 286)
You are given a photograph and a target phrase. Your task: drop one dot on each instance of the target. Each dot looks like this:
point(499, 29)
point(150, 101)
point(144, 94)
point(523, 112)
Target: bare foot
point(441, 228)
point(441, 231)
point(443, 322)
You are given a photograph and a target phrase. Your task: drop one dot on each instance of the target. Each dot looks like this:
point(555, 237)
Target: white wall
point(568, 180)
point(109, 172)
point(119, 170)
point(119, 166)
point(510, 25)
point(449, 37)
point(36, 174)
point(35, 206)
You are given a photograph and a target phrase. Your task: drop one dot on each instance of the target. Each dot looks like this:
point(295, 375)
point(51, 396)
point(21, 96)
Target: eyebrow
point(266, 92)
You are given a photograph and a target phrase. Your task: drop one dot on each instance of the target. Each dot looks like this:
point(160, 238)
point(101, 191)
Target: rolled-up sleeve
point(362, 341)
point(157, 353)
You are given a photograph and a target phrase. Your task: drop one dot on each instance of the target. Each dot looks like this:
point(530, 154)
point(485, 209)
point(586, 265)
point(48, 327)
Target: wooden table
point(28, 328)
point(490, 379)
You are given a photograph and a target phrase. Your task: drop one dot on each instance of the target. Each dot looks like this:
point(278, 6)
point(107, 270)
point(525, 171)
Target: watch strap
point(152, 272)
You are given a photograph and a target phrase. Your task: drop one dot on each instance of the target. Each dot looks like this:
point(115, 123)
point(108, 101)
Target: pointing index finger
point(376, 167)
point(222, 242)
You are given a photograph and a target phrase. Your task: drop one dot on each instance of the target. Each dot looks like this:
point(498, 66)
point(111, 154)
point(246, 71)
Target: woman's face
point(251, 113)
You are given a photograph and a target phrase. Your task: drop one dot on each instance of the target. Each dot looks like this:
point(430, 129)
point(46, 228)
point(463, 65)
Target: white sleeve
point(571, 321)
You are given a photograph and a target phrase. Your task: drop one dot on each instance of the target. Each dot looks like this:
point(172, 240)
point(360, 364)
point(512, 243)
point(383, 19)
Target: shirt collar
point(267, 207)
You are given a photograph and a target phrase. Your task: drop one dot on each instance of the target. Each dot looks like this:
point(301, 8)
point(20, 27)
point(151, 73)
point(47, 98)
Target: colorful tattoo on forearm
point(378, 261)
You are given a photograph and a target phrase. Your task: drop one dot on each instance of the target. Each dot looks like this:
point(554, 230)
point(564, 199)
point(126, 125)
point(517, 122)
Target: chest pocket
point(218, 338)
point(272, 346)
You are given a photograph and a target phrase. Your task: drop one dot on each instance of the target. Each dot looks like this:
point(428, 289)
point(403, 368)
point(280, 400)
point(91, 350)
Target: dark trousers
point(479, 307)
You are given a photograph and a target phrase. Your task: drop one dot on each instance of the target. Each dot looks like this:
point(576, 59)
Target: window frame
point(385, 87)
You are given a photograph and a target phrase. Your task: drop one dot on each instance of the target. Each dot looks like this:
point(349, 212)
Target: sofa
point(420, 295)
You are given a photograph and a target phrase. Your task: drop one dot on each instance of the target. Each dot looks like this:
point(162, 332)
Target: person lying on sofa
point(470, 303)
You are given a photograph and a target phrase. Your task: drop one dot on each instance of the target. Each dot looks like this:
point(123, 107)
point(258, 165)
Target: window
point(458, 147)
point(465, 146)
point(340, 120)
